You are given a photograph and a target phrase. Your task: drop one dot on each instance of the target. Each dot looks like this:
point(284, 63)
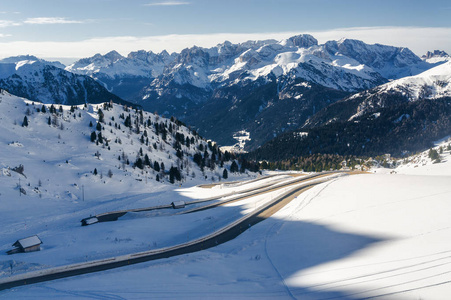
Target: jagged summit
point(436, 57)
point(303, 41)
point(113, 56)
point(435, 53)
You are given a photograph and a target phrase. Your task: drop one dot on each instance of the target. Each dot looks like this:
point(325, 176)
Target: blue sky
point(79, 28)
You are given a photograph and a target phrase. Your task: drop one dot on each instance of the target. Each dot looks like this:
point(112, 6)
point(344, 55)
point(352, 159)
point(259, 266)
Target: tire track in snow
point(280, 223)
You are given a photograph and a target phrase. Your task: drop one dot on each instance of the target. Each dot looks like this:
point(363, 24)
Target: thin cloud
point(418, 39)
point(167, 3)
point(4, 35)
point(45, 21)
point(7, 23)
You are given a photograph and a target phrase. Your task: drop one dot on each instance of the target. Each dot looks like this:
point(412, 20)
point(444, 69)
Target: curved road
point(223, 235)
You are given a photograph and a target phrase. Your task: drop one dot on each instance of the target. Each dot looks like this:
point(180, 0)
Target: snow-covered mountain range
point(48, 82)
point(263, 87)
point(402, 116)
point(432, 84)
point(348, 65)
point(356, 65)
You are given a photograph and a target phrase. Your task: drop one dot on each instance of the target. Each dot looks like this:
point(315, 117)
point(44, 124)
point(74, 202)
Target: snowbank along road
point(218, 237)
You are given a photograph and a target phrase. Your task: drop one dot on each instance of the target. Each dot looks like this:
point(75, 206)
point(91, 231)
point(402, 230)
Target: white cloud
point(7, 23)
point(2, 35)
point(167, 3)
point(419, 40)
point(44, 20)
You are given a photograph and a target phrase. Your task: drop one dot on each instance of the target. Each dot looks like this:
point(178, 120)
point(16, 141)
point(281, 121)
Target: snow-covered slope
point(113, 65)
point(382, 236)
point(346, 65)
point(437, 56)
point(59, 157)
point(56, 169)
point(124, 76)
point(433, 83)
point(39, 80)
point(15, 62)
point(391, 62)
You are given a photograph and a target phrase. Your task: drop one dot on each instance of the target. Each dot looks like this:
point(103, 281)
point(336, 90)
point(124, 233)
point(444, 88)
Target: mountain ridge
point(264, 87)
point(47, 82)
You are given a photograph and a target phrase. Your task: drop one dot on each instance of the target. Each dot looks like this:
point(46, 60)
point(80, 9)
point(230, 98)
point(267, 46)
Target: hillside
point(398, 130)
point(432, 84)
point(399, 117)
point(57, 152)
point(48, 82)
point(381, 235)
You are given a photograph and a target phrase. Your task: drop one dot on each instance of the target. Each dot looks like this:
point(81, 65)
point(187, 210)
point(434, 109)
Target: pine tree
point(197, 158)
point(98, 126)
point(90, 124)
point(146, 160)
point(95, 171)
point(174, 174)
point(25, 122)
point(234, 167)
point(139, 163)
point(101, 116)
point(128, 122)
point(225, 174)
point(93, 136)
point(171, 175)
point(156, 166)
point(100, 137)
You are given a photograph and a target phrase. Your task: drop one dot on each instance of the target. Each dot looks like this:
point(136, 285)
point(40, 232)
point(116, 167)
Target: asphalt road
point(221, 236)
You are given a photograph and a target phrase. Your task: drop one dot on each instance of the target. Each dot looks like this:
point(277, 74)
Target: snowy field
point(380, 235)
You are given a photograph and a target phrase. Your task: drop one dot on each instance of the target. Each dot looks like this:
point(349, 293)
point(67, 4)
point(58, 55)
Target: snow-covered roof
point(90, 221)
point(178, 204)
point(28, 242)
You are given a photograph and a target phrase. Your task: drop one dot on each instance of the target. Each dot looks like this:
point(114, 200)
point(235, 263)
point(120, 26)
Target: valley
point(273, 169)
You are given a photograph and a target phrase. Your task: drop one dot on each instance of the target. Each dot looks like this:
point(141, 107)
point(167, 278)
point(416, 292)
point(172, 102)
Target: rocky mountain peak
point(113, 56)
point(138, 55)
point(303, 41)
point(435, 53)
point(16, 59)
